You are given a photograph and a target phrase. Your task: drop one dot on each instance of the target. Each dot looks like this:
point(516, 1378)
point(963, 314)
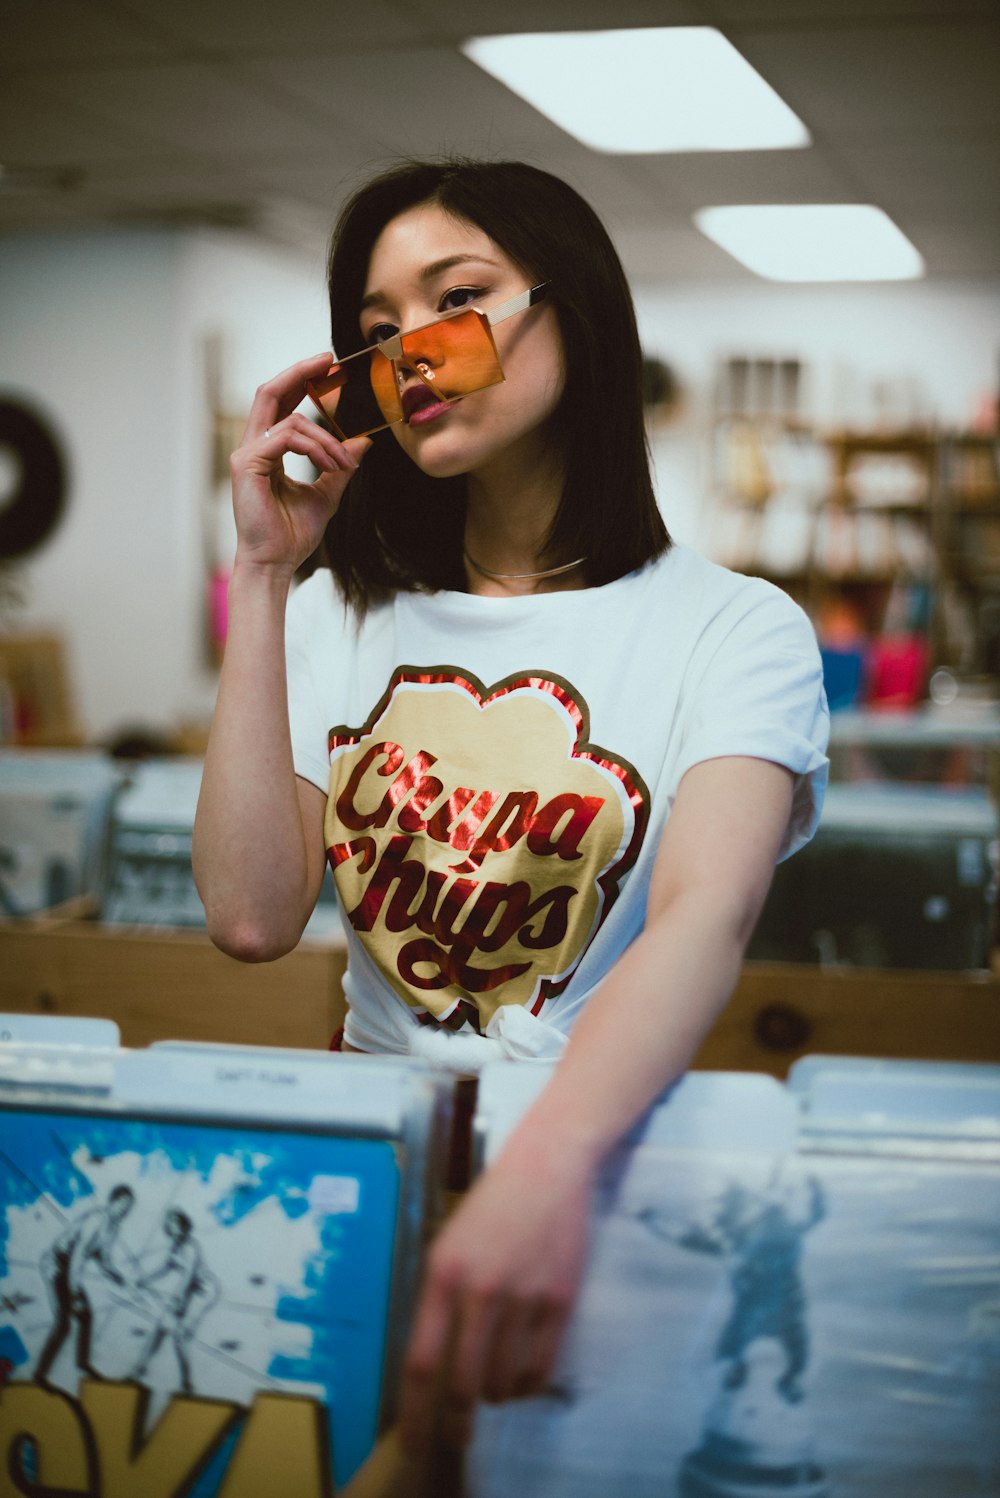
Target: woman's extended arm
point(258, 845)
point(503, 1275)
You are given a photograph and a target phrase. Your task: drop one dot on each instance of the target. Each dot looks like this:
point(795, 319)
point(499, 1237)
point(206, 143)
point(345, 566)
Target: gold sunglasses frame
point(392, 350)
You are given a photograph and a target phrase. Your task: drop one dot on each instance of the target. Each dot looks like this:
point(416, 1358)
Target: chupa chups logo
point(477, 839)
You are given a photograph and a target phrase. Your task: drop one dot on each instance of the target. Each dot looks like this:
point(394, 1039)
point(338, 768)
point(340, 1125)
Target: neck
point(506, 529)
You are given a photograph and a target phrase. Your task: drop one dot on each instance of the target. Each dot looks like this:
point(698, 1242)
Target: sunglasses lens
point(458, 355)
point(358, 396)
point(454, 357)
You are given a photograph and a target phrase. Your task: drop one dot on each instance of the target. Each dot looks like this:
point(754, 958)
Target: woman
point(551, 757)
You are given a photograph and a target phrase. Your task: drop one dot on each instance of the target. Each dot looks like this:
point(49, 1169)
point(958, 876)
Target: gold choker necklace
point(521, 577)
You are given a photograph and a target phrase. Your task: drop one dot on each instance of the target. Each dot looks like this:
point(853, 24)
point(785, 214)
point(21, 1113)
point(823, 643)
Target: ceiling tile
point(956, 172)
point(321, 182)
point(19, 215)
point(714, 179)
point(795, 13)
point(845, 81)
point(419, 102)
point(674, 252)
point(614, 185)
point(235, 27)
point(35, 132)
point(58, 33)
point(953, 248)
point(188, 107)
point(461, 18)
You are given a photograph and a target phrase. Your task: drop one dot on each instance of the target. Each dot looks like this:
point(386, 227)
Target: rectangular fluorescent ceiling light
point(813, 241)
point(670, 88)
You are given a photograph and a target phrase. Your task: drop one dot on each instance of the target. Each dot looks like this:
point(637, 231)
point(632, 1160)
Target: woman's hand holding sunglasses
point(279, 520)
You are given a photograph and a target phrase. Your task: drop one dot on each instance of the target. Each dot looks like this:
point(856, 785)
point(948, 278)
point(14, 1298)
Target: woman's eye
point(380, 332)
point(459, 296)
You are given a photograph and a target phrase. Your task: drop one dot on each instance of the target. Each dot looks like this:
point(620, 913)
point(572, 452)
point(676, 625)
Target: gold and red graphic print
point(477, 839)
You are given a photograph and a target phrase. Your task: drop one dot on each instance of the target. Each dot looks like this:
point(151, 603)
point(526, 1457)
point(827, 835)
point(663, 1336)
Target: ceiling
point(262, 115)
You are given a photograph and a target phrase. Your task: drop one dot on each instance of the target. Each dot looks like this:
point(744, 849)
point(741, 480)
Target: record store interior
point(815, 268)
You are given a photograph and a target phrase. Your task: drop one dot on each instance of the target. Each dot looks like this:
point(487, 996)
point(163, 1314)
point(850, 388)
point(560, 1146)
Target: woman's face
point(426, 262)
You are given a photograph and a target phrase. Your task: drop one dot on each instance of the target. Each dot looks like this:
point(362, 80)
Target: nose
point(416, 364)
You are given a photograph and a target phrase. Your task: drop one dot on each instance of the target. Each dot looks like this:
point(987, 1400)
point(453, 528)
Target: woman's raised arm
point(258, 836)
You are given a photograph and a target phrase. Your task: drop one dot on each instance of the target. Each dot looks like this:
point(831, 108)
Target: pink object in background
point(218, 605)
point(897, 670)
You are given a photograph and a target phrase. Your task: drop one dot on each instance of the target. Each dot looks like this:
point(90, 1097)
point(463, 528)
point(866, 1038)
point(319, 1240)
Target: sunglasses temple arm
point(519, 303)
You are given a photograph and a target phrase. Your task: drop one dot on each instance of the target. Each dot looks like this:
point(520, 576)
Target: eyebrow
point(428, 273)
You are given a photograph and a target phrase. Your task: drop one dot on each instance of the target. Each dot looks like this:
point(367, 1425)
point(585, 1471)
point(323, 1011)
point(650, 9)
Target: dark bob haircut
point(399, 529)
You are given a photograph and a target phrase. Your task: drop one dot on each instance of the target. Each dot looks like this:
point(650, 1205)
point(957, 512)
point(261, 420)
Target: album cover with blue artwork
point(777, 1309)
point(194, 1307)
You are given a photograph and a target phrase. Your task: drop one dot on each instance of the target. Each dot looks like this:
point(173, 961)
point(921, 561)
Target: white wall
point(892, 354)
point(104, 332)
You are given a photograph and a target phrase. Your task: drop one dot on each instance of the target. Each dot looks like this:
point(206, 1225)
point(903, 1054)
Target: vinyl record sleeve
point(791, 1290)
point(204, 1301)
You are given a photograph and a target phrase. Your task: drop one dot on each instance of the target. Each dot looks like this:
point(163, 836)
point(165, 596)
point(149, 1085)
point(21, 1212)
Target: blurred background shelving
point(888, 538)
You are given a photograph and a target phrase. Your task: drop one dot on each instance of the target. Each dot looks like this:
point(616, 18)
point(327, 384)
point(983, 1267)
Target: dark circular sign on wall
point(32, 480)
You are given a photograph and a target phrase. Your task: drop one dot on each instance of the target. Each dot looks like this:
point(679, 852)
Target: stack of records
point(150, 881)
point(791, 1291)
point(208, 1259)
point(55, 813)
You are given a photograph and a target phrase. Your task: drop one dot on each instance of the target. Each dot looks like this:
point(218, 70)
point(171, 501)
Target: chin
point(439, 459)
point(442, 469)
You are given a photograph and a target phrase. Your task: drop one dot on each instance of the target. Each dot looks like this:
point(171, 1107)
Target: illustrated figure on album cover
point(761, 1237)
point(190, 1290)
point(88, 1241)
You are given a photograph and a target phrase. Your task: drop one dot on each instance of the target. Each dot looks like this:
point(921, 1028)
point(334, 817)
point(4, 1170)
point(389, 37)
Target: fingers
point(279, 397)
point(298, 434)
point(524, 1352)
point(280, 520)
point(427, 1365)
point(472, 1347)
point(481, 1314)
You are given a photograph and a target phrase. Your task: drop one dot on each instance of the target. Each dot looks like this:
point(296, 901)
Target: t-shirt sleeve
point(757, 690)
point(304, 630)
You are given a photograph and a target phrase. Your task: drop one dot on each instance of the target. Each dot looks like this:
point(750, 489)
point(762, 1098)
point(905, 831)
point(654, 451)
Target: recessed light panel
point(813, 242)
point(673, 88)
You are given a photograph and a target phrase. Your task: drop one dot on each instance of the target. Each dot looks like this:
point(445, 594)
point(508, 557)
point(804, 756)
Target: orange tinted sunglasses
point(453, 356)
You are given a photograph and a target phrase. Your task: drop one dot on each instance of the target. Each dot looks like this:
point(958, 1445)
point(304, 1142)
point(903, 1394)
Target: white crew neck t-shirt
point(499, 772)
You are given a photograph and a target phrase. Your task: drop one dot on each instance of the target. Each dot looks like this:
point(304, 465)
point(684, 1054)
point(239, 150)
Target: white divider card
point(58, 1029)
point(871, 1102)
point(372, 1093)
point(696, 1112)
point(202, 1293)
point(773, 1306)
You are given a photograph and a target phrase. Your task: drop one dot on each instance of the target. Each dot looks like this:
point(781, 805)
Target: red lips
point(415, 397)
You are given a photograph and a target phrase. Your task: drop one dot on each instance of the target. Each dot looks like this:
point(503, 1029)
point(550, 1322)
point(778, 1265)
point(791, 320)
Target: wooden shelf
point(175, 985)
point(170, 984)
point(783, 1011)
